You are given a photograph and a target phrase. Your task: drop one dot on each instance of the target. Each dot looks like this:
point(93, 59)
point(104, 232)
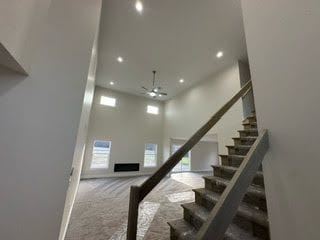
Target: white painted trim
point(118, 174)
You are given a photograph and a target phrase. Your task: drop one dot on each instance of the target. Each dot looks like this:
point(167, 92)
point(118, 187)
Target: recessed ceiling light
point(139, 6)
point(120, 59)
point(111, 83)
point(219, 54)
point(160, 95)
point(181, 80)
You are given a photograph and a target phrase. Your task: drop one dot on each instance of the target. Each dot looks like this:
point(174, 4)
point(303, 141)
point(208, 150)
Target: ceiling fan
point(155, 91)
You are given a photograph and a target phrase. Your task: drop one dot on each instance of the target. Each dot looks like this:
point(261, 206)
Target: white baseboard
point(118, 174)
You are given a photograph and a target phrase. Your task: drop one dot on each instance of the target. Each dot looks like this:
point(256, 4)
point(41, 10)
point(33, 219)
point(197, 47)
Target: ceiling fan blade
point(154, 78)
point(163, 93)
point(145, 88)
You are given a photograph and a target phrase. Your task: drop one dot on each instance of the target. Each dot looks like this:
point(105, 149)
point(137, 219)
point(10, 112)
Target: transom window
point(150, 155)
point(153, 110)
point(108, 101)
point(100, 154)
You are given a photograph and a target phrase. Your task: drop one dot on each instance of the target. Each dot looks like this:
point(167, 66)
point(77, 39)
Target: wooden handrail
point(226, 208)
point(138, 193)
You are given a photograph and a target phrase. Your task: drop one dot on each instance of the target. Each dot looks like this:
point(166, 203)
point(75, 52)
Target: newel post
point(133, 213)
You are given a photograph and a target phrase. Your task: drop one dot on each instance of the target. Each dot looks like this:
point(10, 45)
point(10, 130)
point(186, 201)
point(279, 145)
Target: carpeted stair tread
point(247, 137)
point(251, 130)
point(244, 140)
point(182, 230)
point(232, 156)
point(238, 149)
point(236, 233)
point(254, 190)
point(239, 146)
point(195, 214)
point(232, 169)
point(227, 172)
point(249, 123)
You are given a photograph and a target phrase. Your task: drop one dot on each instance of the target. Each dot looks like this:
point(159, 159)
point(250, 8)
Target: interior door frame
point(171, 152)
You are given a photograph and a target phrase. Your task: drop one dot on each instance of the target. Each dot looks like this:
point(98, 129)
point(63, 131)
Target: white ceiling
point(178, 38)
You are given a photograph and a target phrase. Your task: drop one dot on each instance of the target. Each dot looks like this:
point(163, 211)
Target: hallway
point(101, 207)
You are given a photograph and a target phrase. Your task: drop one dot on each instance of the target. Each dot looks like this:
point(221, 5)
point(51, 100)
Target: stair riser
point(231, 161)
point(250, 125)
point(200, 200)
point(255, 229)
point(250, 198)
point(248, 133)
point(256, 201)
point(214, 186)
point(218, 172)
point(250, 119)
point(237, 151)
point(243, 141)
point(241, 221)
point(192, 219)
point(228, 238)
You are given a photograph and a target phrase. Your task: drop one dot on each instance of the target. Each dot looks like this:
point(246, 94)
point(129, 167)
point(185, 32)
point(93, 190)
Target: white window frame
point(155, 155)
point(96, 155)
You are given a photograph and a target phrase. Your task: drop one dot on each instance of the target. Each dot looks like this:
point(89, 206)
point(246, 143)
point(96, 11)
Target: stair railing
point(226, 208)
point(138, 193)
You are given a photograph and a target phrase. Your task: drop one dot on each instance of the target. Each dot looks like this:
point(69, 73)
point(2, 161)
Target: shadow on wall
point(9, 79)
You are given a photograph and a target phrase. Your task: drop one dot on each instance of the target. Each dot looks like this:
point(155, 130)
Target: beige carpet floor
point(101, 208)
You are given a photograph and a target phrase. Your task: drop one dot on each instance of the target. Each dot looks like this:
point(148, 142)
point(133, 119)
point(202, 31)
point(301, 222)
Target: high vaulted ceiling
point(178, 38)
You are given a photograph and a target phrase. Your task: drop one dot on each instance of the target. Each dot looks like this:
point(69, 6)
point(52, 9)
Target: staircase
point(251, 220)
point(233, 204)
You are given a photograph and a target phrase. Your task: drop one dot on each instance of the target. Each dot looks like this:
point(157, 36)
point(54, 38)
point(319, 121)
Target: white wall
point(78, 156)
point(187, 112)
point(39, 121)
point(128, 126)
point(283, 43)
point(203, 155)
point(19, 22)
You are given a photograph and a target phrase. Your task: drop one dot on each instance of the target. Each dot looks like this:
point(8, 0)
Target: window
point(152, 110)
point(150, 155)
point(100, 154)
point(108, 101)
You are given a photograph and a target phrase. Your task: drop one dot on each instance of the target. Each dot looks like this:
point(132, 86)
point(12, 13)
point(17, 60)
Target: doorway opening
point(185, 164)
